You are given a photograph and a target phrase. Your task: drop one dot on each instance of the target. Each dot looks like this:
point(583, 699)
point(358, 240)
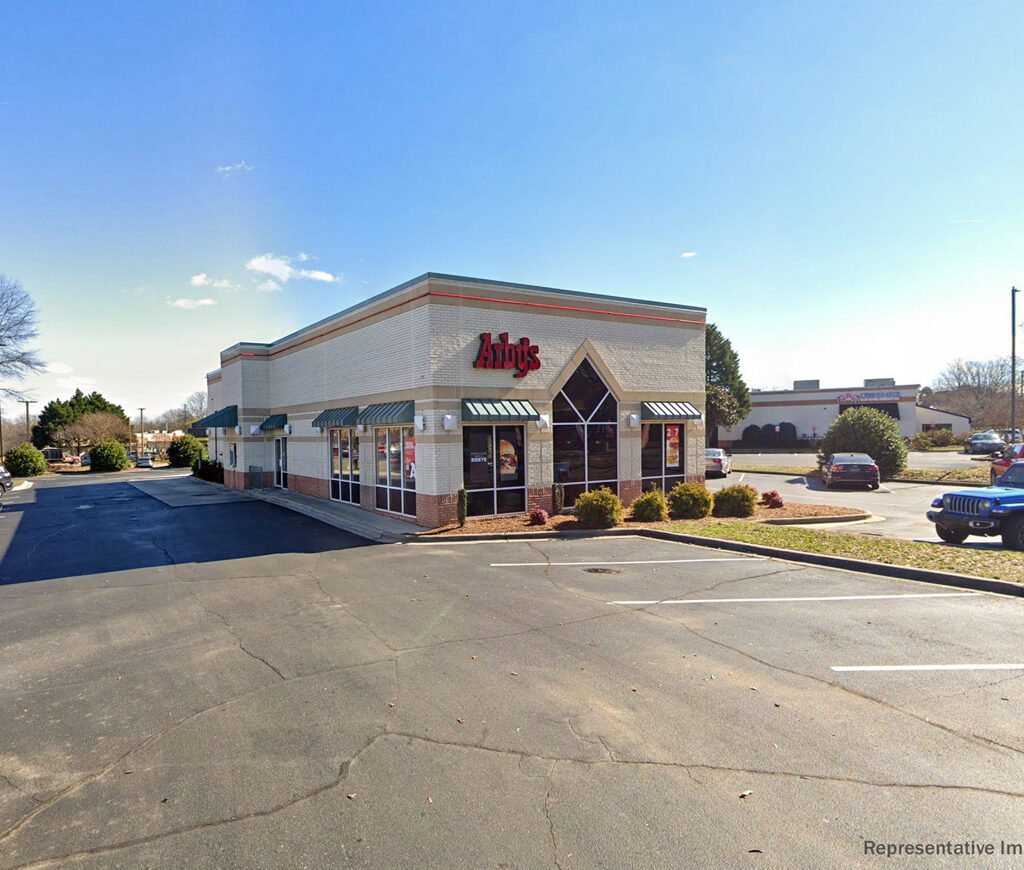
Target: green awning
point(225, 418)
point(332, 418)
point(274, 421)
point(668, 411)
point(498, 411)
point(387, 414)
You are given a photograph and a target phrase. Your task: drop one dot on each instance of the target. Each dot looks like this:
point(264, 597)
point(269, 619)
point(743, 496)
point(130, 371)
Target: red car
point(1013, 453)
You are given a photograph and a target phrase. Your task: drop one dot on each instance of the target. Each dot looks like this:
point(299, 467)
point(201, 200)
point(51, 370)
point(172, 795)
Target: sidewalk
point(366, 524)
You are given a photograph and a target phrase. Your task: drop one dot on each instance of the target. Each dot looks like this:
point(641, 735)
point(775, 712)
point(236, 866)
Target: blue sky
point(849, 176)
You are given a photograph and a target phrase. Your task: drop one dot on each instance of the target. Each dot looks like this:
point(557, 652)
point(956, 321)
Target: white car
point(717, 462)
point(144, 462)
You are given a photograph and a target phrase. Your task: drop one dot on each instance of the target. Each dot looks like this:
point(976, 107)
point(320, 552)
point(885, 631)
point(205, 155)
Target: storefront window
point(662, 455)
point(345, 465)
point(585, 432)
point(494, 469)
point(396, 469)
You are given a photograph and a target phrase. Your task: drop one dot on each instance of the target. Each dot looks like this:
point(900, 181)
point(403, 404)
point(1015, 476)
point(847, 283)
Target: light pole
point(142, 435)
point(1013, 364)
point(28, 432)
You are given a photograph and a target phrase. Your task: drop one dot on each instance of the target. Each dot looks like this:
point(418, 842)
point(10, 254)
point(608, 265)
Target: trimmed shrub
point(737, 500)
point(772, 499)
point(689, 501)
point(599, 507)
point(866, 430)
point(184, 452)
point(787, 435)
point(921, 441)
point(557, 498)
point(462, 506)
point(752, 436)
point(108, 455)
point(769, 437)
point(25, 460)
point(539, 517)
point(651, 507)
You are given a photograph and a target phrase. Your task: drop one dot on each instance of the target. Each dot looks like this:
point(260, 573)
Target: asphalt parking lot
point(232, 684)
point(915, 459)
point(898, 507)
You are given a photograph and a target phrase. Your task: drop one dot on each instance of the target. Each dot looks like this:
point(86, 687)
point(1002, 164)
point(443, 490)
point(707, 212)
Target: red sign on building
point(502, 354)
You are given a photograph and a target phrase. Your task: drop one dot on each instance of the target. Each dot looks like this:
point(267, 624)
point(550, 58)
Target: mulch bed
point(568, 523)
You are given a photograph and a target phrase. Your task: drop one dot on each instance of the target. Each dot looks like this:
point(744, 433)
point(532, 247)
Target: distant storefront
point(805, 412)
point(446, 383)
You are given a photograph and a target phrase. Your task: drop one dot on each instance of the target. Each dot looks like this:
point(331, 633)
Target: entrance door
point(281, 462)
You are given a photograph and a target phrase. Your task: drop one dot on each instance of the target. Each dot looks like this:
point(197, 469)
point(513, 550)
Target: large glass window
point(396, 469)
point(662, 455)
point(585, 431)
point(494, 469)
point(345, 465)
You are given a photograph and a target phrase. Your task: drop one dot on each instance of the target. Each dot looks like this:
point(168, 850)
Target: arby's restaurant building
point(446, 382)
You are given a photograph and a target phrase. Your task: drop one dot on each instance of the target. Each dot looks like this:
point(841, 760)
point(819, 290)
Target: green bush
point(752, 436)
point(921, 441)
point(870, 431)
point(599, 507)
point(184, 452)
point(689, 501)
point(25, 460)
point(651, 507)
point(108, 455)
point(737, 500)
point(787, 435)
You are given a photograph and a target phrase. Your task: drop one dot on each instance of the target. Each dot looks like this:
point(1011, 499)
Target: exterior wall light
point(419, 422)
point(544, 421)
point(287, 428)
point(238, 430)
point(633, 420)
point(360, 427)
point(449, 422)
point(254, 429)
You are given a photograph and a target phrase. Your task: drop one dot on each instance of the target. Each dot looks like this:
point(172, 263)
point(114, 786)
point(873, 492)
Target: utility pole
point(142, 435)
point(1013, 364)
point(2, 454)
point(28, 431)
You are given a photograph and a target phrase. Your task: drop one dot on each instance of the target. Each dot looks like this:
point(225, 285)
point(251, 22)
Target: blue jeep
point(993, 510)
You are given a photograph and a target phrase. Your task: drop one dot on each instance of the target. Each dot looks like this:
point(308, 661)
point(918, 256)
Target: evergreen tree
point(58, 414)
point(728, 397)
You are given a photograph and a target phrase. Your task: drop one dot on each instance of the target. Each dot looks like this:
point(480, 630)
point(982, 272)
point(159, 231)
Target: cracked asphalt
point(235, 685)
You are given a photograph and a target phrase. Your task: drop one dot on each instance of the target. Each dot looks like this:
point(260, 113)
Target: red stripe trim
point(544, 305)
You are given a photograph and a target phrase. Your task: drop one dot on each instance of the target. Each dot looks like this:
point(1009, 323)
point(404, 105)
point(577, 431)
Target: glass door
point(281, 462)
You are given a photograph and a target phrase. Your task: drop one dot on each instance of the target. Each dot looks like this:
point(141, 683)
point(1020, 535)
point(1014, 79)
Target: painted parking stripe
point(607, 562)
point(807, 598)
point(988, 667)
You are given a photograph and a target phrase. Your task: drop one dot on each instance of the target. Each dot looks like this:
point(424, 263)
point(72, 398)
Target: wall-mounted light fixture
point(633, 420)
point(254, 429)
point(449, 422)
point(544, 421)
point(287, 428)
point(419, 421)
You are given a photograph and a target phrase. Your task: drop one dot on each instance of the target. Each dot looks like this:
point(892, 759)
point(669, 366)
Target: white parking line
point(612, 562)
point(989, 667)
point(807, 598)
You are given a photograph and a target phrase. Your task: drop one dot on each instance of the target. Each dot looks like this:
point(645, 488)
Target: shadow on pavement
point(98, 528)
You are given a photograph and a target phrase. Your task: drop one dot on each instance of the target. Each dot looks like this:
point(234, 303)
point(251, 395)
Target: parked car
point(144, 462)
point(1011, 437)
point(6, 481)
point(988, 511)
point(717, 462)
point(85, 460)
point(851, 468)
point(1011, 454)
point(985, 442)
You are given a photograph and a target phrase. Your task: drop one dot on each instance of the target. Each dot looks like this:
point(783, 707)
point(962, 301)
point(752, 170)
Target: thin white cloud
point(269, 286)
point(967, 221)
point(280, 268)
point(191, 304)
point(204, 280)
point(232, 168)
point(688, 255)
point(59, 368)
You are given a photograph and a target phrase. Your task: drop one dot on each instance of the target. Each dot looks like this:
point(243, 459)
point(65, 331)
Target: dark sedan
point(6, 481)
point(850, 468)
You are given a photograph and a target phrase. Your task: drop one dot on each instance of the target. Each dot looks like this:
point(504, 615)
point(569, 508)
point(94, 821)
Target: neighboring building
point(446, 382)
point(811, 409)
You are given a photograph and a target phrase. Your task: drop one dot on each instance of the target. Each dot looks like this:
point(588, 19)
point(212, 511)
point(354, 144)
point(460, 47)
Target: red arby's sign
point(503, 354)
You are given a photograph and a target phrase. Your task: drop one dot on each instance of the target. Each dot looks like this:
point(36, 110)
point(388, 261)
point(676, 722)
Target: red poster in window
point(671, 446)
point(410, 458)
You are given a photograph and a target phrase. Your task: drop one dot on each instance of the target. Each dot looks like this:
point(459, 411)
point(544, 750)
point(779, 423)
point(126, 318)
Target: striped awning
point(498, 411)
point(668, 411)
point(387, 414)
point(335, 417)
point(274, 421)
point(225, 418)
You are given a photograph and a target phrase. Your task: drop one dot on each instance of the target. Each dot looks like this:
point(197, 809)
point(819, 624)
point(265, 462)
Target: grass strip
point(979, 474)
point(995, 564)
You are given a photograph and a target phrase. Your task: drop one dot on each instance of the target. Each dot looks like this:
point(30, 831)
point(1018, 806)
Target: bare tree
point(19, 326)
point(92, 428)
point(978, 388)
point(197, 405)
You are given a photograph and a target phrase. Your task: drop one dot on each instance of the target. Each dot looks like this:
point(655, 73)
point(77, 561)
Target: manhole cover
point(603, 570)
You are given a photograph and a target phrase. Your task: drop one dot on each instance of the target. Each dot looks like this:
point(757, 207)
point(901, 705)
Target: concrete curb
point(361, 530)
point(798, 473)
point(21, 487)
point(862, 566)
point(814, 521)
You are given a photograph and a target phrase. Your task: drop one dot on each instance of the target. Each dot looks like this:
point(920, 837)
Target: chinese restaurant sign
point(502, 354)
